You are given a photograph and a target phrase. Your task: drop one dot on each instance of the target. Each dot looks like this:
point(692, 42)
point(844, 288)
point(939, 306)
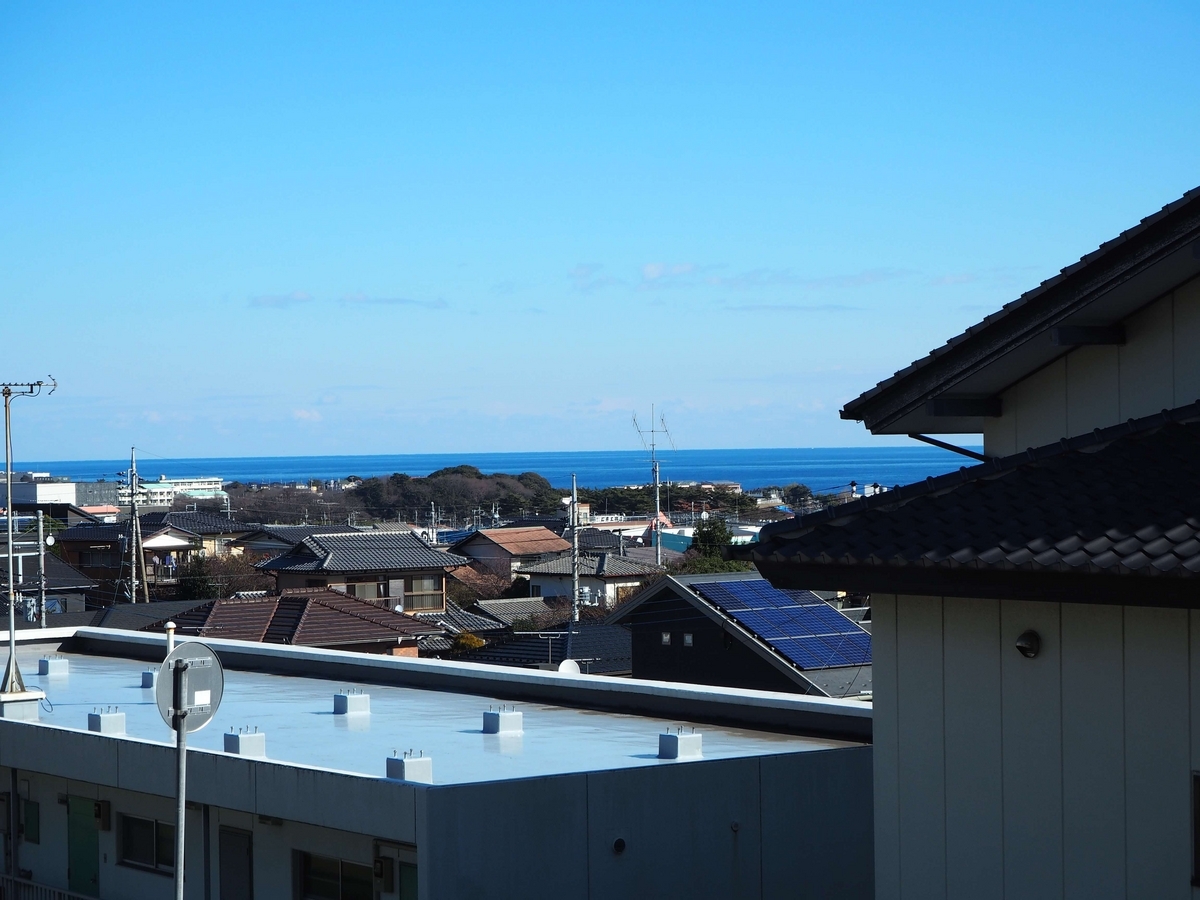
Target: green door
point(83, 847)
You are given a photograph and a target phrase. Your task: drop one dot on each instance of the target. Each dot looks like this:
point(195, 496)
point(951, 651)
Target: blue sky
point(382, 228)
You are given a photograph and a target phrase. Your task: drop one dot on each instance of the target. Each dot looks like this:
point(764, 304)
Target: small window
point(687, 639)
point(147, 843)
point(31, 821)
point(666, 638)
point(326, 878)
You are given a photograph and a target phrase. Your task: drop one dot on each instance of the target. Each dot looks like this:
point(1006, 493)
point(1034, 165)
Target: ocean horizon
point(822, 469)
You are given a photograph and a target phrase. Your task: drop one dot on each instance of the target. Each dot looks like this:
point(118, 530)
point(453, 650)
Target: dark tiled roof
point(61, 575)
point(1121, 503)
point(358, 551)
point(593, 565)
point(1033, 313)
point(457, 620)
point(115, 532)
point(293, 534)
point(195, 522)
point(126, 616)
point(509, 611)
point(601, 649)
point(596, 540)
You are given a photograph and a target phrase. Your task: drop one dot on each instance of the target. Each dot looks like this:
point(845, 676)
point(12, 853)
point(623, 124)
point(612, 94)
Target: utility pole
point(41, 570)
point(574, 550)
point(656, 528)
point(14, 684)
point(136, 554)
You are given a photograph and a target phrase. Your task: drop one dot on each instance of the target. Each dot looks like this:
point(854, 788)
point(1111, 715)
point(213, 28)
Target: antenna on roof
point(652, 446)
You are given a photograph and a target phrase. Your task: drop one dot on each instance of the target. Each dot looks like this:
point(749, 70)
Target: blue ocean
point(822, 469)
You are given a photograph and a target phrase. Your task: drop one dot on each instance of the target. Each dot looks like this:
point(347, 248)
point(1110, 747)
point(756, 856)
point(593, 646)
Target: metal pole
point(41, 569)
point(657, 533)
point(574, 550)
point(179, 702)
point(12, 678)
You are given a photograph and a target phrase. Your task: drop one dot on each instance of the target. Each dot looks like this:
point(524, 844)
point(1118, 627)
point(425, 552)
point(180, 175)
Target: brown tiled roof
point(312, 617)
point(1113, 516)
point(521, 541)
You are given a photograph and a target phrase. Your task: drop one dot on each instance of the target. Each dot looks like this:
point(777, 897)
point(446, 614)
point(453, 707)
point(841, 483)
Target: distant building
point(504, 550)
point(735, 629)
point(605, 578)
point(393, 565)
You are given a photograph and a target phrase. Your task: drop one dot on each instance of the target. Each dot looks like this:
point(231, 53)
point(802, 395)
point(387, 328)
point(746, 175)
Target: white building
point(1036, 618)
point(570, 799)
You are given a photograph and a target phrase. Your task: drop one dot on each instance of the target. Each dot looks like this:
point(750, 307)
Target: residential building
point(736, 629)
point(218, 534)
point(504, 550)
point(304, 617)
point(396, 565)
point(1035, 623)
point(769, 798)
point(597, 648)
point(275, 539)
point(102, 552)
point(515, 610)
point(605, 579)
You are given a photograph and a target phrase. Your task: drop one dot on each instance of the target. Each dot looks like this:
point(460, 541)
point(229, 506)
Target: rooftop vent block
point(53, 665)
point(150, 678)
point(349, 704)
point(503, 721)
point(676, 745)
point(106, 722)
point(246, 743)
point(417, 769)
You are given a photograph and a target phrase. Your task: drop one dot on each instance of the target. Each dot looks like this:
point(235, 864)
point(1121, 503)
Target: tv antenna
point(652, 445)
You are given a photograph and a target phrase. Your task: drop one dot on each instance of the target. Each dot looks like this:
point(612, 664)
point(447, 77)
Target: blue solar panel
point(798, 624)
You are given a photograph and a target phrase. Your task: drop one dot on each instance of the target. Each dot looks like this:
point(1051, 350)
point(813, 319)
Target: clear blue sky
point(290, 229)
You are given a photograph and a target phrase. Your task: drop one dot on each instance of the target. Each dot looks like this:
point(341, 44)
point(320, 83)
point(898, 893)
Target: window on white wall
point(147, 843)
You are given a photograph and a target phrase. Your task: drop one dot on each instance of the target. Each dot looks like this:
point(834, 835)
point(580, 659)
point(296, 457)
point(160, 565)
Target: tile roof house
point(599, 649)
point(216, 532)
point(100, 552)
point(454, 621)
point(737, 630)
point(517, 610)
point(275, 539)
point(1036, 619)
point(605, 578)
point(504, 550)
point(396, 565)
point(309, 617)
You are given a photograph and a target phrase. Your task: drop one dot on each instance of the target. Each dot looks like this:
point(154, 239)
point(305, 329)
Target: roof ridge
point(901, 494)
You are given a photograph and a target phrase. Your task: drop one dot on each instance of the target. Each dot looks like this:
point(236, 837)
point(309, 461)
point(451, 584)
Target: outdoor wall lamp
point(1029, 644)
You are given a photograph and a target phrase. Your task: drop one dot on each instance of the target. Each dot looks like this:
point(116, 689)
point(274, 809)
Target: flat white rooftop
point(296, 713)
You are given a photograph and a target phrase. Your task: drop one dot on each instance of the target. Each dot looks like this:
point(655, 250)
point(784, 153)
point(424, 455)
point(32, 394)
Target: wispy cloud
point(587, 277)
point(795, 307)
point(361, 299)
point(764, 278)
point(306, 415)
point(281, 301)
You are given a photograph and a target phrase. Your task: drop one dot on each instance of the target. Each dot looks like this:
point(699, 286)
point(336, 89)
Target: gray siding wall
point(1157, 368)
point(1067, 775)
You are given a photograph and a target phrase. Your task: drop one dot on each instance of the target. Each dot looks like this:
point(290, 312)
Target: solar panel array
point(798, 624)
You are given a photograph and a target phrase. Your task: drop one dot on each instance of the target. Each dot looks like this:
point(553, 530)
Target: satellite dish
point(49, 540)
point(569, 667)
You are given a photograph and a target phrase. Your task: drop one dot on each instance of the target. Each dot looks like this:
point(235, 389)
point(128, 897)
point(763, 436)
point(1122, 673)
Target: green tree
point(710, 536)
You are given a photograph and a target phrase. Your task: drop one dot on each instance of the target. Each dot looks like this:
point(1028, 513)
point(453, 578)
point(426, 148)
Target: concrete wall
point(1066, 775)
point(789, 826)
point(1157, 368)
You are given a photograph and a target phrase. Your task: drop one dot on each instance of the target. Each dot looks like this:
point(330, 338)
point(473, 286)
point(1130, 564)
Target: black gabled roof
point(361, 551)
point(1113, 516)
point(196, 522)
point(1110, 283)
point(604, 649)
point(115, 532)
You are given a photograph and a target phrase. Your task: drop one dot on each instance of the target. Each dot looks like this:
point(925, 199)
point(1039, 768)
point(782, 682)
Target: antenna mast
point(136, 554)
point(654, 432)
point(13, 689)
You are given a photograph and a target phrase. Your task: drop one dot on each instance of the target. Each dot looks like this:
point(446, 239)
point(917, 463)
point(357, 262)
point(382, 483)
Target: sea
point(821, 469)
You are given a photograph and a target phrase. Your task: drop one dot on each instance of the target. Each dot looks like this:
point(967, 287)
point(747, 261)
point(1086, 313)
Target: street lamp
point(15, 700)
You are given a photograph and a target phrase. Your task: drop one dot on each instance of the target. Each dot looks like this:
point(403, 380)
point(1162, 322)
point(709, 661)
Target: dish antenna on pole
point(652, 446)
